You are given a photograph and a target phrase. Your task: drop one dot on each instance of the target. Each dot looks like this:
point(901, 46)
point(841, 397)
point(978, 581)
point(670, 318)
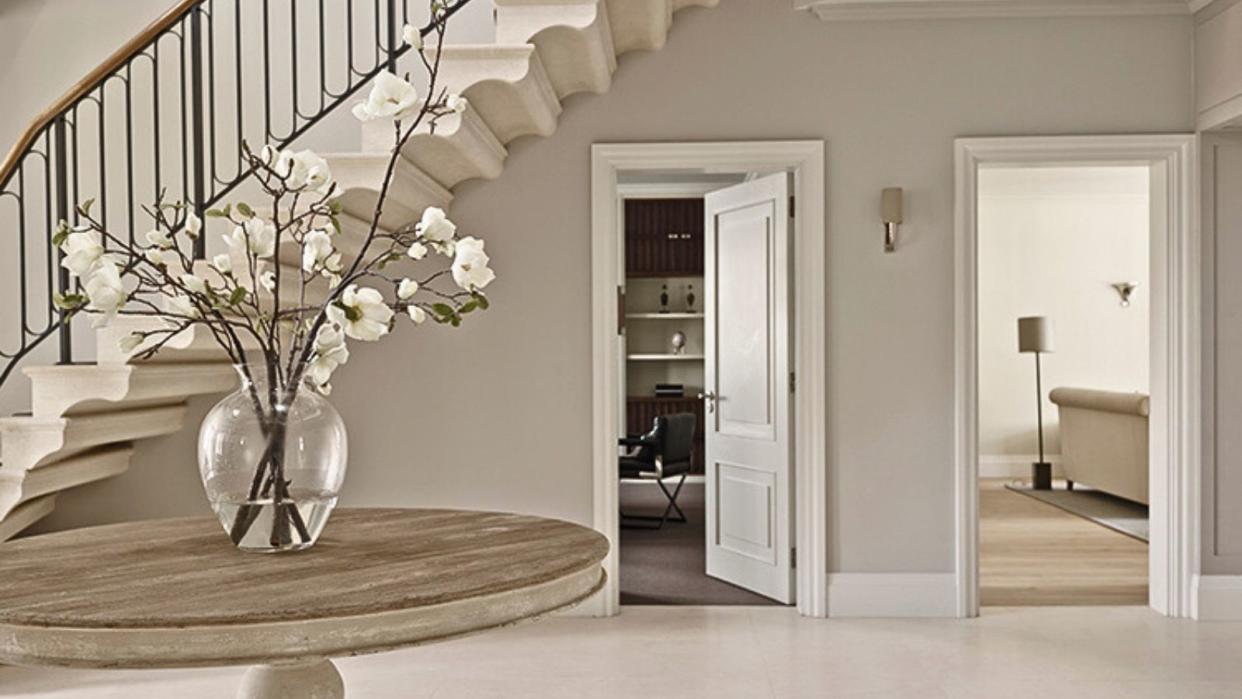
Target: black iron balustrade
point(167, 115)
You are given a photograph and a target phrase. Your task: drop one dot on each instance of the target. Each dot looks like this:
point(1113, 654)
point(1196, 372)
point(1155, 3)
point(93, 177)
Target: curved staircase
point(85, 420)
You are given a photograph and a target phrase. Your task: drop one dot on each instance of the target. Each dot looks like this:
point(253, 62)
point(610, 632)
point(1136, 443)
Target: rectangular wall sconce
point(891, 211)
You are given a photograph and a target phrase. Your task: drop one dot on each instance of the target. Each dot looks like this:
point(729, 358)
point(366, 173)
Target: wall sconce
point(891, 212)
point(1124, 289)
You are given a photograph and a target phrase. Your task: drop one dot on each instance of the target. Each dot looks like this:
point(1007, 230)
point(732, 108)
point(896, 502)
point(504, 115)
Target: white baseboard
point(1015, 465)
point(892, 595)
point(1217, 597)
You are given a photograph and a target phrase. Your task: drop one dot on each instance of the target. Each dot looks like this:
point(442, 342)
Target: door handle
point(710, 397)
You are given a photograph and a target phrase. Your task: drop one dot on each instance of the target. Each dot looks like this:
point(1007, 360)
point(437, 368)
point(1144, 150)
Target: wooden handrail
point(120, 57)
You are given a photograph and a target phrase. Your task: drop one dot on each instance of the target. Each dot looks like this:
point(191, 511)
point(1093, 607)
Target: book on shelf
point(670, 390)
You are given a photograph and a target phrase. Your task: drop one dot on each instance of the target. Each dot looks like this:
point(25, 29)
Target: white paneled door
point(748, 388)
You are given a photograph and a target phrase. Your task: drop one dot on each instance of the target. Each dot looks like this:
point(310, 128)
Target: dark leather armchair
point(664, 452)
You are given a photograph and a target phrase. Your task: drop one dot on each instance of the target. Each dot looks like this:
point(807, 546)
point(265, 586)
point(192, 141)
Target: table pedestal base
point(312, 680)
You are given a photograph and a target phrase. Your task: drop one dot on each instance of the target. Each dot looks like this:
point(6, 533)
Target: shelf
point(665, 399)
point(665, 357)
point(664, 316)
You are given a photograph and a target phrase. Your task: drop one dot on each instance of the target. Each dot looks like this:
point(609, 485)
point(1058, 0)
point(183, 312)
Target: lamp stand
point(1041, 471)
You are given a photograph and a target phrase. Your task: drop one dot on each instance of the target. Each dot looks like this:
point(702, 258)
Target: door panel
point(749, 441)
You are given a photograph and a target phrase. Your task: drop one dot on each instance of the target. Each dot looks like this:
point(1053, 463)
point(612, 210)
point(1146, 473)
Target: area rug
point(667, 566)
point(1118, 514)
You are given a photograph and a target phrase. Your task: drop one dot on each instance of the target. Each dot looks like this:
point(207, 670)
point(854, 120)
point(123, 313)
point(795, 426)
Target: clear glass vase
point(272, 458)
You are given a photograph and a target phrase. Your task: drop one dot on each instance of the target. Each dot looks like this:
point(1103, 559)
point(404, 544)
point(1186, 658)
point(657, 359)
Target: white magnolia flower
point(406, 289)
point(256, 236)
point(457, 103)
point(158, 257)
point(160, 239)
point(180, 306)
point(193, 225)
point(268, 280)
point(317, 251)
point(361, 313)
point(436, 226)
point(417, 314)
point(417, 251)
point(330, 353)
point(222, 263)
point(412, 37)
point(193, 283)
point(130, 342)
point(83, 251)
point(390, 98)
point(304, 169)
point(105, 291)
point(470, 269)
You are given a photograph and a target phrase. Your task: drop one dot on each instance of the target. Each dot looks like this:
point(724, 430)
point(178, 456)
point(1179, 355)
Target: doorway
point(752, 519)
point(1169, 412)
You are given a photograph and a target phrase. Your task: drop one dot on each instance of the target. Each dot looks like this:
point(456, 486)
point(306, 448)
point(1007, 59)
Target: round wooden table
point(175, 593)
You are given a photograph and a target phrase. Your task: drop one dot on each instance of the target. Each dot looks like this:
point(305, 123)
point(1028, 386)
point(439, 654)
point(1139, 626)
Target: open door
point(748, 385)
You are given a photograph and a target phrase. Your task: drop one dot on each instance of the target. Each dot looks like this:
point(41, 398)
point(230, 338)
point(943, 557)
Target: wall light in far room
point(891, 206)
point(1124, 290)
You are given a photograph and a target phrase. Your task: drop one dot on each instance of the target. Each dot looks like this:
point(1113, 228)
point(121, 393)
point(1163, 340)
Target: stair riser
point(361, 177)
point(88, 467)
point(25, 515)
point(27, 443)
point(639, 25)
point(507, 86)
point(66, 391)
point(462, 148)
point(574, 42)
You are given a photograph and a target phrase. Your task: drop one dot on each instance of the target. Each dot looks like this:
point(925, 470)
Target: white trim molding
point(1218, 597)
point(866, 10)
point(805, 159)
point(1176, 370)
point(892, 595)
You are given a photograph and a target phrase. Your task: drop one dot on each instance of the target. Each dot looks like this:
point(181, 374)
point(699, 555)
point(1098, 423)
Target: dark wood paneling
point(663, 237)
point(641, 412)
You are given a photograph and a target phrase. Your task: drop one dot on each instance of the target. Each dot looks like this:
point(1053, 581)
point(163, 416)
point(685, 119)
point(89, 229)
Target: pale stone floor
point(754, 652)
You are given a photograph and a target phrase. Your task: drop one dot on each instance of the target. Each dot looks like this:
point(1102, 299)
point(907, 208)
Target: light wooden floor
point(1032, 554)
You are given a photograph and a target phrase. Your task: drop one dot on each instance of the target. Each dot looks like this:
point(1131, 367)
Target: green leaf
point(336, 223)
point(85, 207)
point(69, 302)
point(442, 309)
point(62, 233)
point(468, 306)
point(484, 304)
point(215, 213)
point(244, 209)
point(238, 295)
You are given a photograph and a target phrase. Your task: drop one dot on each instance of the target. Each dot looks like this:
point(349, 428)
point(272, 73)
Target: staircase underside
point(86, 419)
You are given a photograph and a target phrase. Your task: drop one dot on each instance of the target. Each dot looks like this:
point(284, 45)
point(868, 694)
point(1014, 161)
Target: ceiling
point(950, 9)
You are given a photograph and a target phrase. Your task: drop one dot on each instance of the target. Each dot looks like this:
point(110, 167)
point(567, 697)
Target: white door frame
point(1176, 271)
point(805, 159)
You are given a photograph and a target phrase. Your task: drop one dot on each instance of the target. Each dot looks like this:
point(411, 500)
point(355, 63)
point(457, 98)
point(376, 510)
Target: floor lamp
point(1035, 336)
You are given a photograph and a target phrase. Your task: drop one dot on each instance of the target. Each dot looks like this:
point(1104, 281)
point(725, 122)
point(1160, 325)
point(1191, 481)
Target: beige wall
point(1222, 442)
point(1218, 64)
point(498, 414)
point(1051, 242)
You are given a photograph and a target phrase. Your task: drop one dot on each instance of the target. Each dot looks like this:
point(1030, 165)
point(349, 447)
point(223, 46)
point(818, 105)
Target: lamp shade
point(1035, 334)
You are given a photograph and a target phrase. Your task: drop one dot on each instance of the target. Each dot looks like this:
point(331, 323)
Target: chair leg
point(672, 499)
point(653, 522)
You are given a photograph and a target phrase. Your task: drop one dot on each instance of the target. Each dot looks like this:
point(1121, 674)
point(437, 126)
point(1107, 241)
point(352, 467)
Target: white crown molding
point(856, 10)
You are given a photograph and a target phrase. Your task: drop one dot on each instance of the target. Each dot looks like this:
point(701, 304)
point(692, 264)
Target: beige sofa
point(1104, 440)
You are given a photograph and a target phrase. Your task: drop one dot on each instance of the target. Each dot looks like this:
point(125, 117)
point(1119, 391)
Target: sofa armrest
point(1104, 401)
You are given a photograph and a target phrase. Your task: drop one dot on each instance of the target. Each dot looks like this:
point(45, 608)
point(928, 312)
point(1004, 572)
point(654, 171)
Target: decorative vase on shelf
point(690, 298)
point(272, 462)
point(678, 342)
point(664, 298)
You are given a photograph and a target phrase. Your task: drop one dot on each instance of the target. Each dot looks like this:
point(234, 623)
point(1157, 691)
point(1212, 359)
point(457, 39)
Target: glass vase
point(272, 458)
